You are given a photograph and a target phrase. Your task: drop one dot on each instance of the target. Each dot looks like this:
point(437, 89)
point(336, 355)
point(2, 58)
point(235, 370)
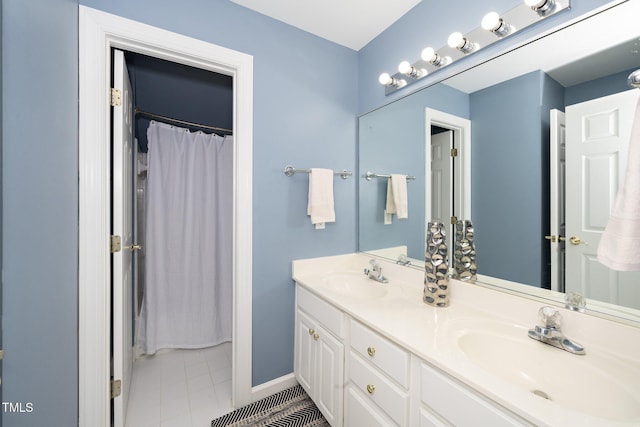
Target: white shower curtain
point(187, 301)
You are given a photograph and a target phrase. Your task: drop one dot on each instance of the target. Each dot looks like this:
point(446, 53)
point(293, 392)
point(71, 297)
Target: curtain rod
point(182, 122)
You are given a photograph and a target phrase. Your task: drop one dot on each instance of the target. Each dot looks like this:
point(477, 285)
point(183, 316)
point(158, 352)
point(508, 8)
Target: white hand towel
point(320, 207)
point(397, 196)
point(619, 247)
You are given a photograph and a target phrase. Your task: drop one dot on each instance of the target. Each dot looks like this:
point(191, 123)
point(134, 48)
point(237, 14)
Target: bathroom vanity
point(374, 354)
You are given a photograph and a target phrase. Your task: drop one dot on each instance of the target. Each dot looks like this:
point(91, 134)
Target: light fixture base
point(516, 19)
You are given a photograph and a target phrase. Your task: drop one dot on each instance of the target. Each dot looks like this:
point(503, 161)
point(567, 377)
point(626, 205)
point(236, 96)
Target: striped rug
point(291, 407)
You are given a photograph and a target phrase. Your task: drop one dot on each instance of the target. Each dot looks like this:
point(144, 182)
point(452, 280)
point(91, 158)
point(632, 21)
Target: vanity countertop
point(434, 335)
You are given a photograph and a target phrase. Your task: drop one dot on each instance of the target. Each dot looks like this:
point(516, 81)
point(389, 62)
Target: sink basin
point(596, 384)
point(354, 285)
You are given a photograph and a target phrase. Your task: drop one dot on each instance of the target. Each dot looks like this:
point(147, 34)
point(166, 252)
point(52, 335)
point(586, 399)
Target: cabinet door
point(304, 360)
point(329, 377)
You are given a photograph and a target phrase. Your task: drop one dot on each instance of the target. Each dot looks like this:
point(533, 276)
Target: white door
point(598, 133)
point(441, 181)
point(122, 218)
point(557, 194)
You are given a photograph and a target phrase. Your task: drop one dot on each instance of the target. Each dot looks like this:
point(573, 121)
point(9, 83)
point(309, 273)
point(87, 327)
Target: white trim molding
point(99, 32)
point(462, 134)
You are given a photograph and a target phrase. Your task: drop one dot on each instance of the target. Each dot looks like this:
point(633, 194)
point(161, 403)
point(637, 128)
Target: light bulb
point(428, 54)
point(542, 7)
point(460, 42)
point(494, 23)
point(385, 79)
point(405, 67)
point(455, 40)
point(491, 21)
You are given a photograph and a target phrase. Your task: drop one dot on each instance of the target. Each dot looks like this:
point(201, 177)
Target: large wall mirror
point(518, 123)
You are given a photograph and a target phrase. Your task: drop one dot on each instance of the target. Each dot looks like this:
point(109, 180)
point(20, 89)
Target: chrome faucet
point(549, 331)
point(375, 272)
point(403, 260)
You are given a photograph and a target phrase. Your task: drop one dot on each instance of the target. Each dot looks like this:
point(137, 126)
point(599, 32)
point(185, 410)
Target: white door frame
point(462, 172)
point(98, 33)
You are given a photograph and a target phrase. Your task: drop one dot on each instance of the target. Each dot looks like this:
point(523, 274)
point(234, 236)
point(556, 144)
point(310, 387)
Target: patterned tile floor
point(181, 388)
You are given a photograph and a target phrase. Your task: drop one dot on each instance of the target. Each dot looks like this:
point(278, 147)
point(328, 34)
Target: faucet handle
point(550, 317)
point(574, 301)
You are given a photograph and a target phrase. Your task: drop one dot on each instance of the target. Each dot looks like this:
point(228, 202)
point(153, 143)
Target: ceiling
point(350, 23)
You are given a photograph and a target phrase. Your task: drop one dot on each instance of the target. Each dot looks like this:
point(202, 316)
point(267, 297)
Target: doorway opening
point(99, 33)
point(448, 169)
point(179, 368)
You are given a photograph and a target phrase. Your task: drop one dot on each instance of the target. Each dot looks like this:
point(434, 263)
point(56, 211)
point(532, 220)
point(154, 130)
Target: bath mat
point(292, 407)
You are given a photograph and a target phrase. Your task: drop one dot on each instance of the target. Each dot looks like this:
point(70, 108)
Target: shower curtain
point(188, 295)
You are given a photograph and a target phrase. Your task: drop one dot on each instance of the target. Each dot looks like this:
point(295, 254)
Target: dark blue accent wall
point(180, 92)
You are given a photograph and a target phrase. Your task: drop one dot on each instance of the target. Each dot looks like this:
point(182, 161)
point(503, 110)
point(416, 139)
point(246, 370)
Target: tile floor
point(181, 388)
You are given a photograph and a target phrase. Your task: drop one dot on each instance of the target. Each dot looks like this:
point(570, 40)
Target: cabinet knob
point(371, 388)
point(311, 332)
point(371, 351)
point(316, 337)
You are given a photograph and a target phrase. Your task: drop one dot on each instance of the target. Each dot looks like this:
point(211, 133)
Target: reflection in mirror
point(514, 187)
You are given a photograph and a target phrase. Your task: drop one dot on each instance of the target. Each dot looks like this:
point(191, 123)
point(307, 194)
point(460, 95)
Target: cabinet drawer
point(330, 317)
point(390, 358)
point(445, 396)
point(360, 411)
point(392, 399)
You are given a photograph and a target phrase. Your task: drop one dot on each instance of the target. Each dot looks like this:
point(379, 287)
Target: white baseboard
point(266, 389)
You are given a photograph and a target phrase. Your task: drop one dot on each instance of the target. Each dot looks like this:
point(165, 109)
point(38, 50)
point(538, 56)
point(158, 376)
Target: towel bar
point(290, 171)
point(370, 175)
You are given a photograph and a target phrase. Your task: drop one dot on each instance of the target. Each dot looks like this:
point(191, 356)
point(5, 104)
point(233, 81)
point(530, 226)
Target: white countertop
point(432, 333)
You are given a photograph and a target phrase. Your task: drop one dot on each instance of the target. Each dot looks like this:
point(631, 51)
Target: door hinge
point(454, 152)
point(116, 388)
point(116, 97)
point(454, 219)
point(116, 244)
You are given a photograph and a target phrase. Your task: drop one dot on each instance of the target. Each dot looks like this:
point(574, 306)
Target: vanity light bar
point(494, 28)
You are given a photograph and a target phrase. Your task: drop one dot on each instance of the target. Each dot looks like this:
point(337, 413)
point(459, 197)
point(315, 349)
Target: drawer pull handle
point(311, 332)
point(316, 337)
point(371, 351)
point(371, 388)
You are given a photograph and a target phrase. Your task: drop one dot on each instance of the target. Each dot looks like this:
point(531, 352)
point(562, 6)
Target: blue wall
point(40, 203)
point(509, 171)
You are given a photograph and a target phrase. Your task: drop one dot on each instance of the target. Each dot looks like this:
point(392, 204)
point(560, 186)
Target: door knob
point(576, 241)
point(552, 238)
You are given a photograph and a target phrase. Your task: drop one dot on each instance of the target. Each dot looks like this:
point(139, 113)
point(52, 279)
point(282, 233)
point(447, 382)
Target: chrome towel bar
point(290, 171)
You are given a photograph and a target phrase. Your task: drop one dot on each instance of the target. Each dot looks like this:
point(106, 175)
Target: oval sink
point(354, 285)
point(595, 384)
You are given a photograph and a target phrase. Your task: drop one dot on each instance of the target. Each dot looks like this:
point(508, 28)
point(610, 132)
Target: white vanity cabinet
point(319, 354)
point(357, 377)
point(378, 373)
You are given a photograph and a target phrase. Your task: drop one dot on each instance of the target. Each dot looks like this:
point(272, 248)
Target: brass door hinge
point(116, 244)
point(116, 97)
point(454, 219)
point(454, 152)
point(116, 388)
